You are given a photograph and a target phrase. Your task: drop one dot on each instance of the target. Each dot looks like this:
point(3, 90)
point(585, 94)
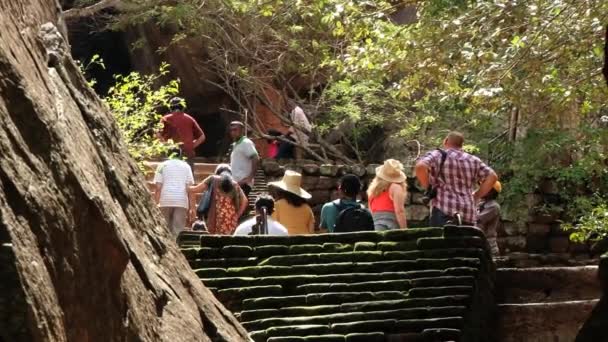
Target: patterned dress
point(223, 214)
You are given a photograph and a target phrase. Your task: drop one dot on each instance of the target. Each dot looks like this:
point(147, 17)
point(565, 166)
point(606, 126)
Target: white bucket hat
point(292, 182)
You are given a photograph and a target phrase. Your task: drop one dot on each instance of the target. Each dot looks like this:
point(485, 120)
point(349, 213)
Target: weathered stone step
point(369, 256)
point(400, 314)
point(546, 284)
point(315, 299)
point(338, 268)
point(385, 305)
point(387, 285)
point(542, 322)
point(440, 334)
point(364, 326)
point(296, 280)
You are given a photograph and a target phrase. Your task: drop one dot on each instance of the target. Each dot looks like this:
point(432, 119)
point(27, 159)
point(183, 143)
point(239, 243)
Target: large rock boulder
point(82, 242)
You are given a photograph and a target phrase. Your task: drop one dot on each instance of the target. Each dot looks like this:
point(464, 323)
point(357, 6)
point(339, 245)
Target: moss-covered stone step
point(400, 314)
point(374, 306)
point(234, 297)
point(456, 242)
point(296, 280)
point(434, 254)
point(357, 337)
point(426, 292)
point(321, 338)
point(222, 262)
point(321, 299)
point(385, 285)
point(349, 238)
point(398, 326)
point(341, 268)
point(304, 259)
point(442, 334)
point(298, 330)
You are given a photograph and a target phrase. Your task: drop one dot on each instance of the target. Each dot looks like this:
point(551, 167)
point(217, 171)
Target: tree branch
point(89, 11)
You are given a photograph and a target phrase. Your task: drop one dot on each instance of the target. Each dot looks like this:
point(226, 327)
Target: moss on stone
point(434, 254)
point(252, 292)
point(428, 292)
point(365, 337)
point(335, 247)
point(443, 281)
point(287, 260)
point(411, 234)
point(406, 303)
point(309, 310)
point(444, 243)
point(190, 253)
point(305, 249)
point(270, 250)
point(273, 302)
point(419, 325)
point(360, 256)
point(364, 326)
point(232, 251)
point(229, 282)
point(456, 231)
point(209, 253)
point(210, 272)
point(298, 330)
point(253, 315)
point(365, 246)
point(397, 245)
point(226, 262)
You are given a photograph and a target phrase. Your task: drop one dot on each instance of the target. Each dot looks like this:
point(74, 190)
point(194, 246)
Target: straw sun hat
point(292, 182)
point(391, 171)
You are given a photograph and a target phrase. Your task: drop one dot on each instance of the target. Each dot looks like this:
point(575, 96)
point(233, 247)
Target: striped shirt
point(175, 176)
point(462, 172)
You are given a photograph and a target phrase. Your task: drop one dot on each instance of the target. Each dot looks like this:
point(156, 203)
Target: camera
point(429, 195)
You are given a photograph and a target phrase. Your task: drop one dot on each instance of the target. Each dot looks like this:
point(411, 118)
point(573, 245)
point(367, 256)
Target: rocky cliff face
point(84, 245)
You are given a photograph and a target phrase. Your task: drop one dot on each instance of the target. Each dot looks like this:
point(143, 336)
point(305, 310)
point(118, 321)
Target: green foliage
point(137, 103)
point(463, 65)
point(593, 226)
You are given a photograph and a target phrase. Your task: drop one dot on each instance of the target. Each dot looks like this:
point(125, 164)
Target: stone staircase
point(430, 284)
point(545, 303)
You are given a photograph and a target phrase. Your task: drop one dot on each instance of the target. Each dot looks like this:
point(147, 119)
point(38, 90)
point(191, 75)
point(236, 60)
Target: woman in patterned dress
point(228, 201)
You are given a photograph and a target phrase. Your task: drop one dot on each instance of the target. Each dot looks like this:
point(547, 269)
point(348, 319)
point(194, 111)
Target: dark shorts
point(440, 219)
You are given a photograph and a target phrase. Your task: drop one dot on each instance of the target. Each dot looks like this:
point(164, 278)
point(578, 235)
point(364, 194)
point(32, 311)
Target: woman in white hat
point(386, 195)
point(291, 209)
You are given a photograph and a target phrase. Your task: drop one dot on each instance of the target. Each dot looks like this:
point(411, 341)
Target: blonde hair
point(380, 185)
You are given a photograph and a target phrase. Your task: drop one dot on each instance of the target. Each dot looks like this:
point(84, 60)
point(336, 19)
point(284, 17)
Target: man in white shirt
point(274, 227)
point(172, 179)
point(244, 157)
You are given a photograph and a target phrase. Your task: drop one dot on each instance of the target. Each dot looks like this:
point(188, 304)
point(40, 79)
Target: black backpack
point(352, 219)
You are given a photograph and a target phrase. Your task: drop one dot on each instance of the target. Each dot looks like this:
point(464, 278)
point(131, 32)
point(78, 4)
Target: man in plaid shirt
point(462, 172)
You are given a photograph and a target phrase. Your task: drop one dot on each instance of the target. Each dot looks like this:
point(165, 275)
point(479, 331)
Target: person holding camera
point(449, 176)
point(264, 207)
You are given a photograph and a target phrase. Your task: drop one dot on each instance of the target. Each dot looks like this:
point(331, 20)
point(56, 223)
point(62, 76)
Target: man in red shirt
point(182, 128)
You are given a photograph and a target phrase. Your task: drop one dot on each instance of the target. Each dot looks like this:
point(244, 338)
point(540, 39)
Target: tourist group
point(460, 188)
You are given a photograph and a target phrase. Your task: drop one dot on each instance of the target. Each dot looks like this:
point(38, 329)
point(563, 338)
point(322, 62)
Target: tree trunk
point(85, 254)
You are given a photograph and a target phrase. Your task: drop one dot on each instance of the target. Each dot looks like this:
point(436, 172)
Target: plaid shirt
point(461, 173)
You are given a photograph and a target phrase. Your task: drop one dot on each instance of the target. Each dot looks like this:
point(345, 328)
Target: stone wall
point(539, 232)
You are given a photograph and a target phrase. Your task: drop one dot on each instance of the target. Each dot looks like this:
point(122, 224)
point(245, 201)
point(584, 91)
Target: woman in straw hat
point(386, 195)
point(291, 209)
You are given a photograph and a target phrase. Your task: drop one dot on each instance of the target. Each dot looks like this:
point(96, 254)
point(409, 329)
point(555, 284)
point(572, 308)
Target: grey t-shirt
point(240, 159)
